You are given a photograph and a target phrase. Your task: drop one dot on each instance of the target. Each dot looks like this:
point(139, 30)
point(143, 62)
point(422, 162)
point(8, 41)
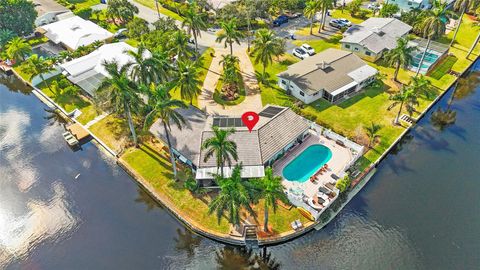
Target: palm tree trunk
point(397, 119)
point(324, 18)
point(196, 42)
point(396, 71)
point(458, 26)
point(231, 48)
point(158, 9)
point(265, 222)
point(311, 24)
point(423, 56)
point(172, 157)
point(130, 123)
point(473, 45)
point(249, 31)
point(46, 84)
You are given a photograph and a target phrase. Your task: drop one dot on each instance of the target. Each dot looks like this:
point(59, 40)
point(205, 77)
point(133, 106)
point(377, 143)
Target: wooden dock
point(78, 131)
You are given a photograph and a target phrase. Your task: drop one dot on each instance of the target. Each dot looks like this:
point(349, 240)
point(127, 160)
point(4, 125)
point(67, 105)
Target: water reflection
point(145, 198)
point(443, 118)
point(187, 241)
point(233, 258)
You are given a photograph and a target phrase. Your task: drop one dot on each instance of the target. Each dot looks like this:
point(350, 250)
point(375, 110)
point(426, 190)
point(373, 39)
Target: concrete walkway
point(95, 120)
point(253, 100)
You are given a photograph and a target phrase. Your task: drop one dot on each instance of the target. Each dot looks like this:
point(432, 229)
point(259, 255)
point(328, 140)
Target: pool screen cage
point(421, 43)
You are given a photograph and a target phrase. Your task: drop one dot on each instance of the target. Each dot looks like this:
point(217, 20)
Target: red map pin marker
point(250, 119)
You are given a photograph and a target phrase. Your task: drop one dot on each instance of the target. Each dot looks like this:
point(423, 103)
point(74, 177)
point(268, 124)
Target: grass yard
point(154, 166)
point(164, 11)
point(338, 13)
point(113, 131)
point(321, 44)
point(80, 4)
point(206, 59)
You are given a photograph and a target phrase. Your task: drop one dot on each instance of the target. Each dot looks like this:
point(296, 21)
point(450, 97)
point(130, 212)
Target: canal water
point(77, 210)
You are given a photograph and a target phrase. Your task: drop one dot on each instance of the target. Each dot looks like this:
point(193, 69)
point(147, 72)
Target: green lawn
point(338, 13)
point(206, 61)
point(321, 44)
point(80, 4)
point(164, 11)
point(113, 131)
point(154, 166)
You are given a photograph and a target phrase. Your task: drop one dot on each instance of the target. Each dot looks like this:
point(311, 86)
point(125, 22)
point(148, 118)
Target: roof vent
point(324, 66)
point(75, 27)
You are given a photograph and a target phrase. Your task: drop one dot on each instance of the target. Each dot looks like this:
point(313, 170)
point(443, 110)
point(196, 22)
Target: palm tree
point(462, 6)
point(229, 65)
point(121, 92)
point(147, 68)
point(311, 8)
point(265, 47)
point(401, 56)
point(372, 132)
point(195, 21)
point(421, 85)
point(17, 48)
point(220, 146)
point(180, 45)
point(5, 36)
point(443, 118)
point(234, 195)
point(37, 66)
point(474, 43)
point(325, 6)
point(164, 108)
point(271, 190)
point(229, 33)
point(433, 25)
point(187, 80)
point(408, 97)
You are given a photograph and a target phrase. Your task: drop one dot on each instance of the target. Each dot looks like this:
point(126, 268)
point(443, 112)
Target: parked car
point(300, 53)
point(336, 23)
point(373, 6)
point(120, 33)
point(280, 20)
point(345, 22)
point(308, 49)
point(293, 15)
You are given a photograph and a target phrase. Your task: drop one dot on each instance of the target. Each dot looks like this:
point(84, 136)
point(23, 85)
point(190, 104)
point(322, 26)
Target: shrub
point(84, 13)
point(63, 83)
point(344, 183)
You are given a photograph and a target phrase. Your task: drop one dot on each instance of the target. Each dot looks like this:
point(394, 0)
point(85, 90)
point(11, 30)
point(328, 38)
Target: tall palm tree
point(265, 47)
point(187, 80)
point(146, 67)
point(311, 8)
point(271, 190)
point(230, 72)
point(180, 45)
point(476, 40)
point(5, 36)
point(400, 56)
point(18, 48)
point(121, 93)
point(372, 132)
point(235, 194)
point(195, 21)
point(433, 25)
point(38, 66)
point(229, 33)
point(220, 146)
point(325, 6)
point(462, 6)
point(406, 97)
point(164, 108)
point(421, 85)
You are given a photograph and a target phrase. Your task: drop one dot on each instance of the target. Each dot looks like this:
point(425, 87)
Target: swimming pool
point(307, 163)
point(429, 60)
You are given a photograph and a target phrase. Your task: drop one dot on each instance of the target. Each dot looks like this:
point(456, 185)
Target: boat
point(306, 214)
point(71, 140)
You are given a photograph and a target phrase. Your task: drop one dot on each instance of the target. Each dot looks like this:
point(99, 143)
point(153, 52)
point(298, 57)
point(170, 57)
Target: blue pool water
point(429, 59)
point(307, 163)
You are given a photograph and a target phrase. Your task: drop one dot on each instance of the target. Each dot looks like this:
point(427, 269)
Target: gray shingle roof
point(377, 34)
point(311, 78)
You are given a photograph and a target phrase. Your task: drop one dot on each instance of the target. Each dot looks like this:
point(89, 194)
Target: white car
point(308, 49)
point(300, 53)
point(373, 6)
point(345, 22)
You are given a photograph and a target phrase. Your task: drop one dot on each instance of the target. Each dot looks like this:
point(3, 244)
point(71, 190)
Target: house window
point(316, 93)
point(284, 82)
point(409, 3)
point(368, 53)
point(356, 49)
point(302, 94)
point(347, 46)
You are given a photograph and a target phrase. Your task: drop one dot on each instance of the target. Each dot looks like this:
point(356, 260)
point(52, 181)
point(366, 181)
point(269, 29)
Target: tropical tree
point(311, 8)
point(343, 183)
point(136, 28)
point(18, 16)
point(388, 10)
point(325, 5)
point(230, 72)
point(372, 132)
point(235, 194)
point(195, 21)
point(187, 80)
point(164, 108)
point(38, 66)
point(354, 7)
point(221, 147)
point(271, 190)
point(18, 48)
point(122, 10)
point(442, 118)
point(180, 45)
point(433, 25)
point(146, 68)
point(462, 6)
point(421, 85)
point(5, 36)
point(121, 93)
point(264, 47)
point(406, 97)
point(229, 33)
point(473, 45)
point(400, 56)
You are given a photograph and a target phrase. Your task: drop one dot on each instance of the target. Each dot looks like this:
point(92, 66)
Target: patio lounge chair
point(324, 190)
point(330, 186)
point(294, 225)
point(299, 223)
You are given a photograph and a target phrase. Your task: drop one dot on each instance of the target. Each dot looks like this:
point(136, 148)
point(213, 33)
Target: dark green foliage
point(137, 28)
point(17, 16)
point(84, 13)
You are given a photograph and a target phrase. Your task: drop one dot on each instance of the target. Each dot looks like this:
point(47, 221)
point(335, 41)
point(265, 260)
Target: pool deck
point(341, 157)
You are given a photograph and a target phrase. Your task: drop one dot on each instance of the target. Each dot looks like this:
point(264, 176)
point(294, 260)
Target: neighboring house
point(407, 5)
point(373, 37)
point(268, 141)
point(88, 71)
point(49, 12)
point(332, 74)
point(74, 32)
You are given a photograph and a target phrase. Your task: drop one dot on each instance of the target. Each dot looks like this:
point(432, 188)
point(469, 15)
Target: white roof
point(362, 73)
point(247, 172)
point(75, 32)
point(94, 60)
